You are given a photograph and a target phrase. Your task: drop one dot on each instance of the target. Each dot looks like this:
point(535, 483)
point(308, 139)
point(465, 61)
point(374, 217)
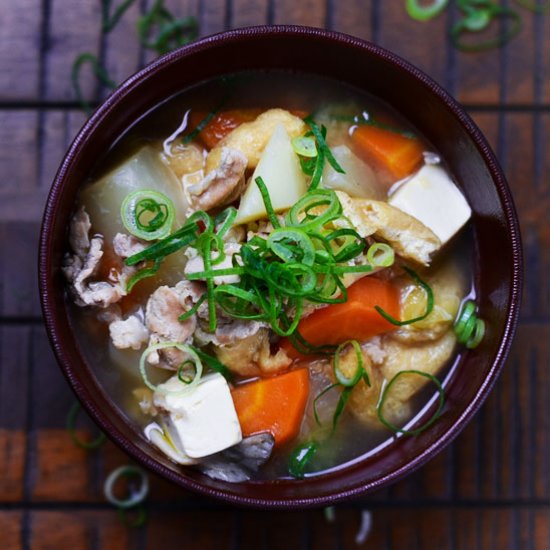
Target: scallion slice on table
point(425, 11)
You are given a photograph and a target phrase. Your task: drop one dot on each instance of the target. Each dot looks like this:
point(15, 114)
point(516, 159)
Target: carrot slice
point(396, 155)
point(274, 405)
point(221, 124)
point(355, 319)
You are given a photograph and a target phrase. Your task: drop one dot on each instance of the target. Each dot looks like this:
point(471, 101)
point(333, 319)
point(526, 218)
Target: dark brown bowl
point(497, 262)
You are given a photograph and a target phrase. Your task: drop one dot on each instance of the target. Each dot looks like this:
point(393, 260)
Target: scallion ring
point(386, 391)
point(304, 146)
point(341, 378)
point(189, 350)
point(300, 457)
point(183, 376)
point(380, 255)
point(147, 214)
point(72, 417)
point(468, 327)
point(425, 12)
point(136, 496)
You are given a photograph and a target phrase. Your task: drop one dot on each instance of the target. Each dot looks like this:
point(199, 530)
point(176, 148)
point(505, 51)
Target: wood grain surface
point(489, 490)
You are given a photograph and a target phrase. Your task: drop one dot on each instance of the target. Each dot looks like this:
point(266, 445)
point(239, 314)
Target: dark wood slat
point(248, 12)
point(213, 16)
point(19, 47)
point(307, 12)
point(10, 527)
point(72, 31)
point(78, 530)
point(421, 44)
point(18, 278)
point(353, 17)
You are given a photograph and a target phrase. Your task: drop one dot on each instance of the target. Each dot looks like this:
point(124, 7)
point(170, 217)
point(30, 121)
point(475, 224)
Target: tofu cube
point(431, 197)
point(202, 421)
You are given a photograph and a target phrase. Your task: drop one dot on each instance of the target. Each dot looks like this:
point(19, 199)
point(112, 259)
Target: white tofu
point(431, 197)
point(203, 420)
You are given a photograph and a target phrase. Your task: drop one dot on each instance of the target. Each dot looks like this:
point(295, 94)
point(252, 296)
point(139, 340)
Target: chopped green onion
point(99, 72)
point(386, 391)
point(108, 22)
point(304, 146)
point(71, 428)
point(468, 327)
point(183, 375)
point(292, 245)
point(143, 274)
point(147, 214)
point(429, 303)
point(189, 350)
point(267, 202)
point(224, 221)
point(137, 496)
point(193, 310)
point(317, 173)
point(171, 32)
point(321, 393)
point(213, 363)
point(358, 373)
point(300, 457)
point(380, 255)
point(475, 21)
point(344, 396)
point(322, 144)
point(425, 12)
point(138, 521)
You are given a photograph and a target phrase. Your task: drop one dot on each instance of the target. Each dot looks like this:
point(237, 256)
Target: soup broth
point(327, 375)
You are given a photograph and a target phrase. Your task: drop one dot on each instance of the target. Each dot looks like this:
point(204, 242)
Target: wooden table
point(489, 489)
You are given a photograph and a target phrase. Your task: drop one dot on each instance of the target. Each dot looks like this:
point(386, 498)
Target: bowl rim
point(50, 312)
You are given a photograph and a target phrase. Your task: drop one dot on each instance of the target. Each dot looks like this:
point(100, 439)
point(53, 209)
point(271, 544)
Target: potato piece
point(359, 180)
point(251, 138)
point(280, 170)
point(409, 237)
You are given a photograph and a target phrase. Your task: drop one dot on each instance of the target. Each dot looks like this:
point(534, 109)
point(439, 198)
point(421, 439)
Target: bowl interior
point(496, 264)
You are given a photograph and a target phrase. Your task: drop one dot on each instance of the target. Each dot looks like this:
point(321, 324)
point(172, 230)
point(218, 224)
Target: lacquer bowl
point(497, 257)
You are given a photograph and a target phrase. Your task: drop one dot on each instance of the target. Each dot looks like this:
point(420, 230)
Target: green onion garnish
point(468, 327)
point(147, 214)
point(386, 392)
point(170, 32)
point(426, 11)
point(99, 72)
point(267, 202)
point(108, 21)
point(300, 457)
point(304, 146)
point(188, 350)
point(358, 373)
point(380, 255)
point(183, 372)
point(429, 302)
point(322, 144)
point(72, 417)
point(136, 497)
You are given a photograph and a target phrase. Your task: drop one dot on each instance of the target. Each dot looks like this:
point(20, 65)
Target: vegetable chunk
point(279, 167)
point(275, 405)
point(355, 319)
point(394, 154)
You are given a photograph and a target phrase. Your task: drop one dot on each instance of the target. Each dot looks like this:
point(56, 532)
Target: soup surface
point(266, 270)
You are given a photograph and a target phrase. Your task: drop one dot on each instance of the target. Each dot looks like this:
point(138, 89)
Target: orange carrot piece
point(355, 319)
point(274, 405)
point(221, 124)
point(396, 155)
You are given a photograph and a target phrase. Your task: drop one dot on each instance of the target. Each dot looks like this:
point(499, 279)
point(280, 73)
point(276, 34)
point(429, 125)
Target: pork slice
point(222, 185)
